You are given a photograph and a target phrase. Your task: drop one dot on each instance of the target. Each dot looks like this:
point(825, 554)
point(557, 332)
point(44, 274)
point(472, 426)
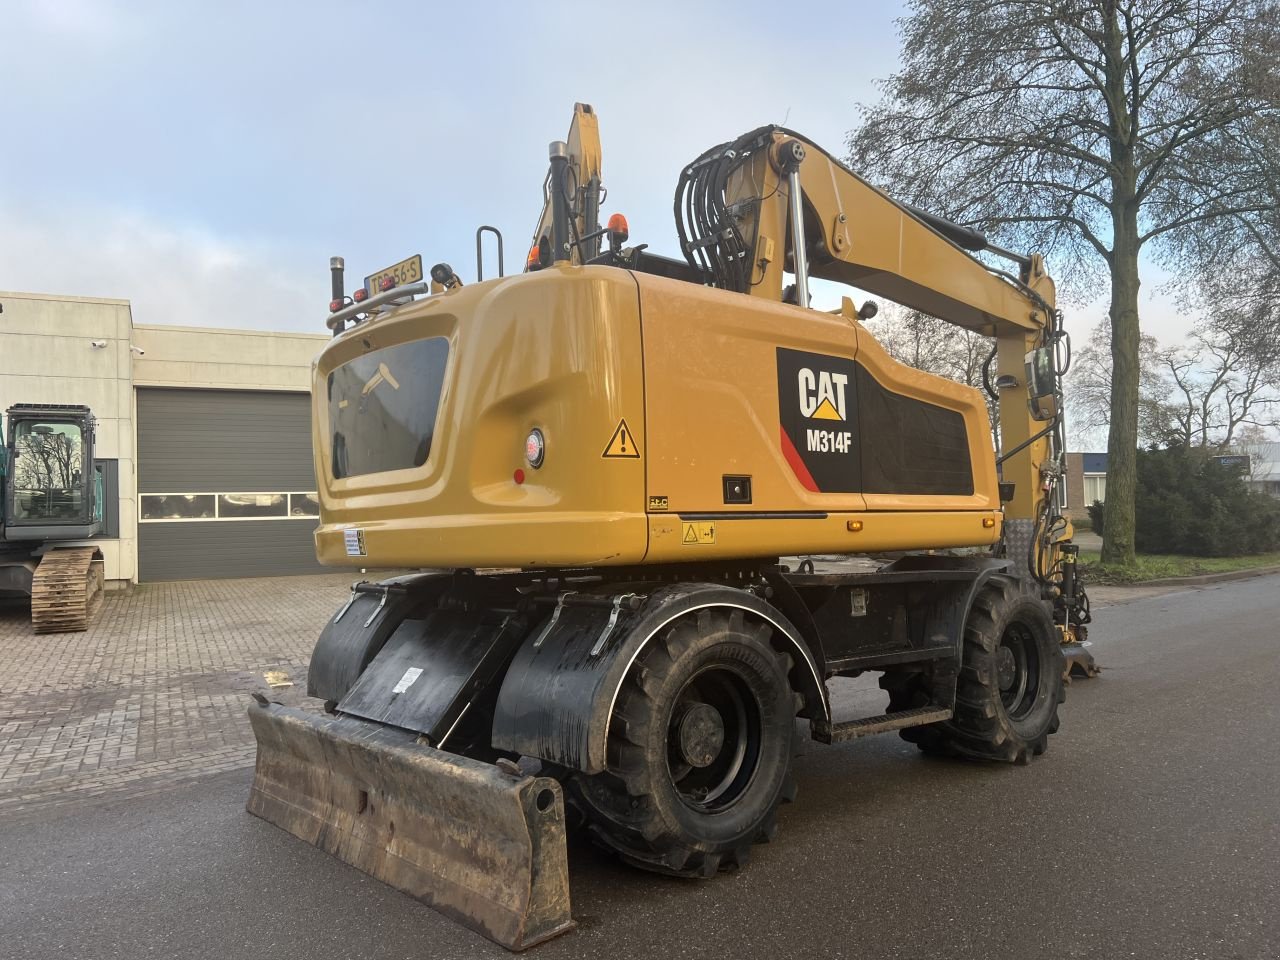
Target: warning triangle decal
point(690, 534)
point(826, 411)
point(622, 445)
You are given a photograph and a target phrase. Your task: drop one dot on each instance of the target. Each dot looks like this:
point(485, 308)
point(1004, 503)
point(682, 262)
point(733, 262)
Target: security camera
point(97, 344)
point(138, 350)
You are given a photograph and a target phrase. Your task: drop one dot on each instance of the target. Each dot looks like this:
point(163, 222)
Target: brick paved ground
point(156, 690)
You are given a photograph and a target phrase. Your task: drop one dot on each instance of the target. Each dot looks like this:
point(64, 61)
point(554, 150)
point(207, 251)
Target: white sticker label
point(355, 542)
point(410, 675)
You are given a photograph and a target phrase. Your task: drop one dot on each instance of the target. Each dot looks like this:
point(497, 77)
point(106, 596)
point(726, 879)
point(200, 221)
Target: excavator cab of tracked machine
point(53, 495)
point(53, 488)
point(604, 459)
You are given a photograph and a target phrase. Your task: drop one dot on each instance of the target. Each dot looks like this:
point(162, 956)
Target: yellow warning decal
point(622, 445)
point(695, 532)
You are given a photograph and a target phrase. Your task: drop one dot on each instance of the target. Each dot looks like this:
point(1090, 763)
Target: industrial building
point(205, 433)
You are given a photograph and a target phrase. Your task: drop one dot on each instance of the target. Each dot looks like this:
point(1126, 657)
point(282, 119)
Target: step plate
point(866, 726)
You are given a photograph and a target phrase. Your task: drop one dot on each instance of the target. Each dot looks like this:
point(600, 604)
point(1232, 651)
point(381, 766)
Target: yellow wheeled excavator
point(602, 462)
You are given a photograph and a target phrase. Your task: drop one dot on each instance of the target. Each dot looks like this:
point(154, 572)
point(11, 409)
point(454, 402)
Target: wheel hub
point(701, 735)
point(1006, 667)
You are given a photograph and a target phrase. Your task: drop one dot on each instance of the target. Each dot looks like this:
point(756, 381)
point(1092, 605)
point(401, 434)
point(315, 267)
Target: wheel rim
point(713, 739)
point(1018, 670)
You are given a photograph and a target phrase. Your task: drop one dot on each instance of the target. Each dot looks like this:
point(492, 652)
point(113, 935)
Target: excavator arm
point(772, 203)
point(581, 150)
point(736, 209)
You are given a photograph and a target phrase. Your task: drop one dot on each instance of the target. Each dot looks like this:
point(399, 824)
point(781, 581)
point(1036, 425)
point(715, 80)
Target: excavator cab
point(52, 494)
point(53, 489)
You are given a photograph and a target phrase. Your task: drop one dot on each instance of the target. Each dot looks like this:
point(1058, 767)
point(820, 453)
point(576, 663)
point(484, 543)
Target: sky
point(204, 160)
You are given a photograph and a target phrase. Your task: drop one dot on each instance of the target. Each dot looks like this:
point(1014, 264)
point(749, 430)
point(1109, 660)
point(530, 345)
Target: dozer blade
point(485, 847)
point(1080, 662)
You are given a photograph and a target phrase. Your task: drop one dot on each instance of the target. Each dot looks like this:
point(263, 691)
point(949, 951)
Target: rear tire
point(699, 752)
point(1010, 682)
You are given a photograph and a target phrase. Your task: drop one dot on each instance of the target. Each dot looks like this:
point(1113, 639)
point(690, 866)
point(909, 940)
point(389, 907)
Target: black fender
point(983, 567)
point(361, 627)
point(558, 695)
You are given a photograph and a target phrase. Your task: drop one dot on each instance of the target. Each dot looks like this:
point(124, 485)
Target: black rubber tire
point(635, 808)
point(1006, 716)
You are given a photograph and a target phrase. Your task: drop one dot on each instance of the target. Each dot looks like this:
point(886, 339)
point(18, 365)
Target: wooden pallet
point(66, 590)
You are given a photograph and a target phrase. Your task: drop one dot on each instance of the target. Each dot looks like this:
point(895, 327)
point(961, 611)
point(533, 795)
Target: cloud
point(172, 274)
point(98, 21)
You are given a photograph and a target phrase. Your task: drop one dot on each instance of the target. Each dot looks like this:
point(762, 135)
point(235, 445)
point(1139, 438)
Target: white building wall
point(48, 355)
point(224, 359)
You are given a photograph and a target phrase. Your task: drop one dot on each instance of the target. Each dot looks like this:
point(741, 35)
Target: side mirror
point(1042, 373)
point(1042, 383)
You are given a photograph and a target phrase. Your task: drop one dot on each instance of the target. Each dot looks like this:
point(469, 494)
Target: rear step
point(825, 732)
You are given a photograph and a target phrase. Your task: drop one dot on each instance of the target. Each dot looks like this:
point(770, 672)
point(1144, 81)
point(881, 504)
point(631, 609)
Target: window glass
point(48, 481)
point(236, 505)
point(382, 408)
point(303, 505)
point(177, 506)
point(1095, 488)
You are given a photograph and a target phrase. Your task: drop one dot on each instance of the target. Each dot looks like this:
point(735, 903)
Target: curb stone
point(1202, 579)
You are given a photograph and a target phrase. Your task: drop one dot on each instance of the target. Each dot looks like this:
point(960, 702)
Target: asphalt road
point(1150, 829)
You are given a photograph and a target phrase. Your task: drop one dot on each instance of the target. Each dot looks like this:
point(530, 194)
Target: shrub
point(1097, 518)
point(1188, 503)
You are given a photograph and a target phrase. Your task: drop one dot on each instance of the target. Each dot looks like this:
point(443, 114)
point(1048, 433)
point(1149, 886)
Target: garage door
point(225, 484)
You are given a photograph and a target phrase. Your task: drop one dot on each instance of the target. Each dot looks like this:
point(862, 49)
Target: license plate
point(406, 271)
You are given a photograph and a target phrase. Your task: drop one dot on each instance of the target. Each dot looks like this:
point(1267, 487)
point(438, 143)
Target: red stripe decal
point(797, 465)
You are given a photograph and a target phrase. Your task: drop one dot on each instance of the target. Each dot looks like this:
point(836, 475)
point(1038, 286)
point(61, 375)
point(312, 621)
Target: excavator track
point(66, 590)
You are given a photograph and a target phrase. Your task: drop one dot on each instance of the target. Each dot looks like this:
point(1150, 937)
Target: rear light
point(535, 448)
point(335, 306)
point(360, 296)
point(387, 283)
point(518, 476)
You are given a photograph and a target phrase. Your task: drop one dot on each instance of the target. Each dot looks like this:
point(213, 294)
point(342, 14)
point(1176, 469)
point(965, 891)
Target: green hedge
point(1187, 503)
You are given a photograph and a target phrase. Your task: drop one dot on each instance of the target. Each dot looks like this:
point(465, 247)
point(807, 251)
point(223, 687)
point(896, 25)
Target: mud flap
point(482, 846)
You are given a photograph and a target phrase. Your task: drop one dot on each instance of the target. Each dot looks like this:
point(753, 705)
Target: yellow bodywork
point(692, 372)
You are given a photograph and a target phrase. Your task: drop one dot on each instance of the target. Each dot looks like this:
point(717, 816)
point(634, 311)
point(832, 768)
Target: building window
point(1095, 487)
point(178, 506)
point(303, 505)
point(161, 507)
point(239, 506)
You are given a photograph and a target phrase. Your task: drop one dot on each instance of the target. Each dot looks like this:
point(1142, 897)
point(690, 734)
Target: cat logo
point(822, 394)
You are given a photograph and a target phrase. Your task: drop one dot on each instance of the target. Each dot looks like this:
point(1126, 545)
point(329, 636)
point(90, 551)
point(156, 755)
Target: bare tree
point(1219, 387)
point(1226, 379)
point(1089, 129)
point(1088, 388)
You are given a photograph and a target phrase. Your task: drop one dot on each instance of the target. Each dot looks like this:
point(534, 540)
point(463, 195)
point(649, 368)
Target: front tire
point(699, 752)
point(1010, 682)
